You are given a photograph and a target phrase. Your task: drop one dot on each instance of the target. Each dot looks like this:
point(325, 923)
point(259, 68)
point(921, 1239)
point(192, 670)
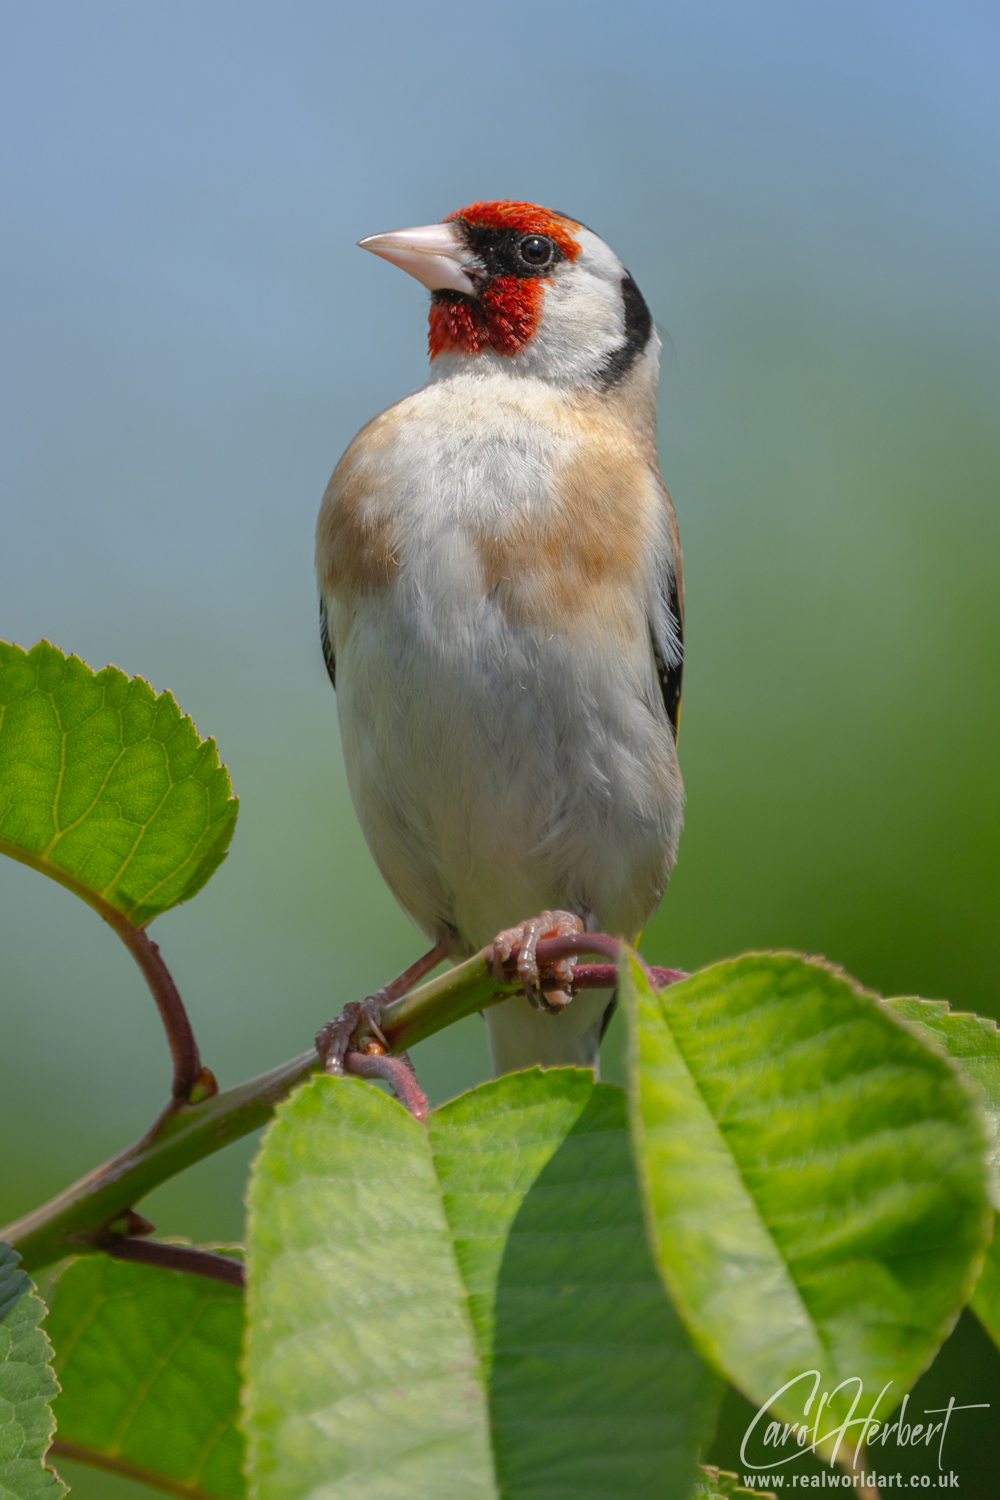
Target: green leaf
point(720, 1484)
point(362, 1376)
point(594, 1387)
point(13, 1281)
point(27, 1386)
point(463, 1309)
point(974, 1043)
point(106, 787)
point(815, 1177)
point(148, 1360)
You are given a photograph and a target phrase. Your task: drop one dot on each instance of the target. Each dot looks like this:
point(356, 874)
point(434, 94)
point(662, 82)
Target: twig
point(192, 1082)
point(191, 1079)
point(177, 1258)
point(397, 1072)
point(605, 976)
point(68, 1223)
point(551, 949)
point(72, 1222)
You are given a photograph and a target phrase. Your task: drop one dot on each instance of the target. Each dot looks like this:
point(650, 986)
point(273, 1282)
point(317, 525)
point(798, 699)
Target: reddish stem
point(551, 949)
point(593, 976)
point(188, 1070)
point(395, 1071)
point(177, 1258)
point(605, 976)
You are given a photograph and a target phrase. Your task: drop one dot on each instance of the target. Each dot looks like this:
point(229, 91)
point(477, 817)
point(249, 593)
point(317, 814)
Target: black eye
point(535, 250)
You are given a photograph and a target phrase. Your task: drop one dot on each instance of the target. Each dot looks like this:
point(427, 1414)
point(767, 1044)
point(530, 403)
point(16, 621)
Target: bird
point(501, 613)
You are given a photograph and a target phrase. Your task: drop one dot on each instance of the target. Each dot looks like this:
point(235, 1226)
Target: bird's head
point(527, 289)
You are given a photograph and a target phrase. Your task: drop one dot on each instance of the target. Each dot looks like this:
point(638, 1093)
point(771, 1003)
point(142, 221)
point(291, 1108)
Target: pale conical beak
point(435, 254)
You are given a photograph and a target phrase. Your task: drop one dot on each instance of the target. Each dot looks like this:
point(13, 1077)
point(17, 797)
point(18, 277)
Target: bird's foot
point(369, 1056)
point(333, 1041)
point(551, 991)
point(354, 1041)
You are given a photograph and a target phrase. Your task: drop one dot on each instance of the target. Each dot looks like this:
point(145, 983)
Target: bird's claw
point(553, 993)
point(370, 1057)
point(333, 1041)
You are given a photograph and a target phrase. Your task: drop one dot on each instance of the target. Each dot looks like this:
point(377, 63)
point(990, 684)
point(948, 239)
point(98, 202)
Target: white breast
point(498, 768)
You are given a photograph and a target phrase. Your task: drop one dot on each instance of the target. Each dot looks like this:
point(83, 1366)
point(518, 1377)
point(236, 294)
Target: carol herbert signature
point(857, 1433)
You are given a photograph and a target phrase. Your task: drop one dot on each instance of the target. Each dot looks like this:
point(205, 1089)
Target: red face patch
point(525, 218)
point(507, 310)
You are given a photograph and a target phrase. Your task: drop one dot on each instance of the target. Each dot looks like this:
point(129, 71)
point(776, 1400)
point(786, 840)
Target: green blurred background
point(808, 197)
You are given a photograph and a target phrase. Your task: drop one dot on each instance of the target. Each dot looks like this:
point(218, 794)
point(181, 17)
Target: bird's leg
point(403, 983)
point(525, 938)
point(333, 1041)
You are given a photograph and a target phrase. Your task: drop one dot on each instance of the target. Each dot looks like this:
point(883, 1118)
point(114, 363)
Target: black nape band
point(638, 327)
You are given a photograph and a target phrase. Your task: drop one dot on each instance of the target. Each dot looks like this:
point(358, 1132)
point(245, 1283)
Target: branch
point(73, 1221)
point(191, 1079)
point(76, 1220)
point(191, 1082)
point(177, 1258)
point(397, 1072)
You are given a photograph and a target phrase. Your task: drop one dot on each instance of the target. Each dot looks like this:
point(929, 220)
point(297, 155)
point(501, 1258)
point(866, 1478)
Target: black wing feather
point(667, 635)
point(324, 640)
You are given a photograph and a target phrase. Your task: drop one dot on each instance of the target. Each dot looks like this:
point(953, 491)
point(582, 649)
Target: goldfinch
point(501, 612)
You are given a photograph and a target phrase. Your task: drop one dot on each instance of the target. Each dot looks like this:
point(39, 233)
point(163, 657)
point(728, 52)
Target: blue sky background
point(809, 198)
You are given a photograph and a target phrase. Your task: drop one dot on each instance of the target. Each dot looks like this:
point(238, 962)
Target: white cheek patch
point(583, 316)
point(583, 337)
point(598, 257)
